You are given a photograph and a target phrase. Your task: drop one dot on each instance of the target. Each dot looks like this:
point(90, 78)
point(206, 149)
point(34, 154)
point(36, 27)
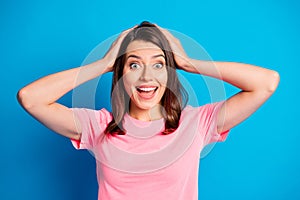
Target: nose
point(147, 74)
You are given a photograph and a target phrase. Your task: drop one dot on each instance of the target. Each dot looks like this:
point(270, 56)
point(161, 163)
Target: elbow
point(268, 85)
point(274, 79)
point(23, 99)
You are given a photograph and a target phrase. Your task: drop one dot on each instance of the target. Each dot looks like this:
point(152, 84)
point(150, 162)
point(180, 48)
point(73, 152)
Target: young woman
point(149, 146)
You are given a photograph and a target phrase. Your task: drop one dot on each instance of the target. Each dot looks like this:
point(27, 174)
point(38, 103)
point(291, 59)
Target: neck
point(146, 114)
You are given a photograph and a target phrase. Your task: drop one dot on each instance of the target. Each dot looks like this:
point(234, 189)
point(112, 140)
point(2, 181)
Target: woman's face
point(144, 75)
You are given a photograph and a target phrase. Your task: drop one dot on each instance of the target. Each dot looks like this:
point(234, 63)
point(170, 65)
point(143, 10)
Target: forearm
point(244, 76)
point(49, 89)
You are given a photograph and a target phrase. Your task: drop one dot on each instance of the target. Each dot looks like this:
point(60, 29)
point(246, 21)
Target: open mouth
point(146, 89)
point(146, 92)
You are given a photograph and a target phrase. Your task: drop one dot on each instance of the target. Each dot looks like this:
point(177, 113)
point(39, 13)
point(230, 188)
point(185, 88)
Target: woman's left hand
point(181, 58)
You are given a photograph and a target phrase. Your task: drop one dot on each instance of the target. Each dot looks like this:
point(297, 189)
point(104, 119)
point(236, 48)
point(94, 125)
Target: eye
point(134, 66)
point(158, 66)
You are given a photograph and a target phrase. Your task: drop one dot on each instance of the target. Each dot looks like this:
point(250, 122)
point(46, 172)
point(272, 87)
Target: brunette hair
point(175, 96)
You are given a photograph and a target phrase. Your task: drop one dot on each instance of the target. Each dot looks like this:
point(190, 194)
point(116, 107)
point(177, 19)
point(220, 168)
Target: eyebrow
point(138, 57)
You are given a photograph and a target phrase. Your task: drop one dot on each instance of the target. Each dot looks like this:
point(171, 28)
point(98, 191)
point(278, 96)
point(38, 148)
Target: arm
point(257, 84)
point(39, 97)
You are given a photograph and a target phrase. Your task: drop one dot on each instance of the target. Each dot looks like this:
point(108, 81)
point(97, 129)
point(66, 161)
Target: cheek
point(128, 80)
point(163, 78)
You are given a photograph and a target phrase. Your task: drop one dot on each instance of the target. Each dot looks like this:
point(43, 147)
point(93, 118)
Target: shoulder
point(104, 115)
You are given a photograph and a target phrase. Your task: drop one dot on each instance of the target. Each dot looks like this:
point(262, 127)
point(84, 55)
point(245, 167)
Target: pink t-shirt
point(143, 163)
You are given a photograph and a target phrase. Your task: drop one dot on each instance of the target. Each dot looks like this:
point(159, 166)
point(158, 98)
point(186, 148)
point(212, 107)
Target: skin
point(145, 68)
point(256, 84)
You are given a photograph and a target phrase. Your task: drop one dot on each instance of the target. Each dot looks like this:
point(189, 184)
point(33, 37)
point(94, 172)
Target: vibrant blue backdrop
point(259, 160)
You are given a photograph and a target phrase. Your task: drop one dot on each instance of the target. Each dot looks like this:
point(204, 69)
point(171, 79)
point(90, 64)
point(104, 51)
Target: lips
point(146, 92)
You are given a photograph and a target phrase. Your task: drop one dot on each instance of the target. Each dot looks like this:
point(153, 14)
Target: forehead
point(143, 48)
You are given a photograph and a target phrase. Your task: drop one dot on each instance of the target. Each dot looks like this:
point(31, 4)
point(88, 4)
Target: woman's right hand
point(112, 53)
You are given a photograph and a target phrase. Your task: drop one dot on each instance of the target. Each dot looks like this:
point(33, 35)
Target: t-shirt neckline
point(142, 129)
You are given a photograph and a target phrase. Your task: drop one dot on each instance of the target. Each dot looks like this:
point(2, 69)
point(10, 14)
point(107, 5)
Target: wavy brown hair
point(175, 96)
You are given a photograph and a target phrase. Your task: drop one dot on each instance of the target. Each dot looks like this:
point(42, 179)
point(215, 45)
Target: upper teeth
point(147, 89)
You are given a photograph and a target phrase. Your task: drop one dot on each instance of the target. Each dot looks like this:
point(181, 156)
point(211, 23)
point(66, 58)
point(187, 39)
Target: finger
point(165, 32)
point(124, 33)
point(160, 28)
point(168, 34)
point(130, 29)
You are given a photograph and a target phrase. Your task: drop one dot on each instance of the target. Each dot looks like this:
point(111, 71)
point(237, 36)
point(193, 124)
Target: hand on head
point(112, 53)
point(180, 56)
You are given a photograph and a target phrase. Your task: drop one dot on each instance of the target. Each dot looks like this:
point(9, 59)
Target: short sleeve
point(208, 123)
point(93, 124)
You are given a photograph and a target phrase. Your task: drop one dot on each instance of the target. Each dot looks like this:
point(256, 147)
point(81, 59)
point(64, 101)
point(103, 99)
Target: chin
point(145, 105)
point(147, 101)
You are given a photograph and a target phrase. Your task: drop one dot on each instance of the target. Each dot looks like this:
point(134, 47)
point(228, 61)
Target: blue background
point(259, 160)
